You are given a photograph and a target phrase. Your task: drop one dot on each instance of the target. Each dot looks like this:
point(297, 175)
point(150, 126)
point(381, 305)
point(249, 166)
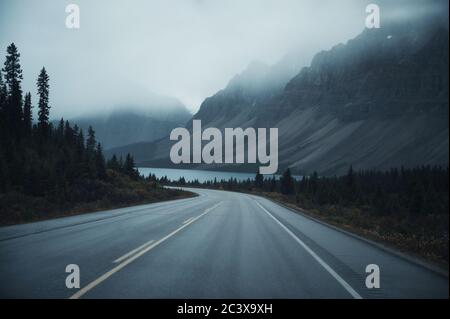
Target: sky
point(127, 52)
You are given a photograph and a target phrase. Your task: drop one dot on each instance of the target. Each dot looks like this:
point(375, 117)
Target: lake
point(193, 174)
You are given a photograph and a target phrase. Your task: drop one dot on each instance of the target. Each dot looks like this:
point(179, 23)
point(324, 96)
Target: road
point(217, 245)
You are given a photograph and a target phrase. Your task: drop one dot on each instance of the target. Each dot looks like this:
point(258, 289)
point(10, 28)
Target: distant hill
point(257, 84)
point(378, 101)
point(131, 124)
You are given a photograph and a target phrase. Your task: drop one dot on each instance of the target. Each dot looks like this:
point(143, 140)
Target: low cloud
point(127, 51)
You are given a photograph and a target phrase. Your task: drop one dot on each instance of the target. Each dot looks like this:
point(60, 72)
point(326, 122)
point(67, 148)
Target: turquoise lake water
point(193, 174)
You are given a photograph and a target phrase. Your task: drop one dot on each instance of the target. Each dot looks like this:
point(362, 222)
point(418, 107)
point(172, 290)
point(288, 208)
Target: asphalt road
point(217, 245)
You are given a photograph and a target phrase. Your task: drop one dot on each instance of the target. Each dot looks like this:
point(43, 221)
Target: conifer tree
point(44, 107)
point(91, 160)
point(91, 142)
point(351, 186)
point(2, 107)
point(129, 167)
point(113, 163)
point(259, 180)
point(272, 184)
point(27, 115)
point(100, 162)
point(287, 183)
point(13, 79)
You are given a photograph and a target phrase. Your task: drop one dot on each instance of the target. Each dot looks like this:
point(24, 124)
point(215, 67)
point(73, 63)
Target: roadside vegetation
point(48, 171)
point(404, 208)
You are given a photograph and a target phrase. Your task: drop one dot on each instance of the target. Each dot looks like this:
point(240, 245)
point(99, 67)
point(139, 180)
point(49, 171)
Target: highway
point(217, 245)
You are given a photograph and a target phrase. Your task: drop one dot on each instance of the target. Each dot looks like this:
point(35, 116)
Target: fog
point(126, 52)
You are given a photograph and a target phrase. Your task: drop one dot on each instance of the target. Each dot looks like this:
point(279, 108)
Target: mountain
point(128, 125)
point(256, 85)
point(378, 101)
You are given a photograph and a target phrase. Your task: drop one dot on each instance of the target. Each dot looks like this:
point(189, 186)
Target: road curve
point(217, 245)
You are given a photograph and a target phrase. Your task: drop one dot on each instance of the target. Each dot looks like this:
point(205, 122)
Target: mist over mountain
point(256, 85)
point(131, 124)
point(378, 101)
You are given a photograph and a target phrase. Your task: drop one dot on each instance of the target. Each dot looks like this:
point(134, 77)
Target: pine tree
point(3, 174)
point(129, 163)
point(13, 79)
point(351, 186)
point(44, 107)
point(273, 184)
point(259, 180)
point(60, 133)
point(3, 93)
point(129, 167)
point(80, 140)
point(27, 115)
point(113, 163)
point(91, 142)
point(314, 182)
point(287, 183)
point(181, 181)
point(121, 164)
point(2, 107)
point(91, 160)
point(100, 162)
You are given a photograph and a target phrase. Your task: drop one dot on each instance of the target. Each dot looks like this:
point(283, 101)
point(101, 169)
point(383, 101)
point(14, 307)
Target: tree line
point(405, 207)
point(38, 158)
point(416, 191)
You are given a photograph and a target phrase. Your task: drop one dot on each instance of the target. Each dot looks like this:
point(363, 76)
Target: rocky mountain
point(256, 85)
point(378, 101)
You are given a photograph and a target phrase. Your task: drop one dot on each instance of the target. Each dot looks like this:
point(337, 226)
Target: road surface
point(217, 245)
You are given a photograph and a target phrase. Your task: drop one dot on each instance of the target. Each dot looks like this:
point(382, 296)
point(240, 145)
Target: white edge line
point(118, 260)
point(330, 270)
point(105, 276)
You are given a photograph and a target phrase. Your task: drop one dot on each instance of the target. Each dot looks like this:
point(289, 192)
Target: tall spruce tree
point(113, 164)
point(2, 107)
point(27, 115)
point(273, 184)
point(129, 167)
point(44, 107)
point(259, 180)
point(91, 142)
point(287, 183)
point(13, 78)
point(351, 185)
point(100, 162)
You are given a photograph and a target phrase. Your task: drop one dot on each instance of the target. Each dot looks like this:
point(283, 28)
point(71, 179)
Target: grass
point(116, 191)
point(425, 237)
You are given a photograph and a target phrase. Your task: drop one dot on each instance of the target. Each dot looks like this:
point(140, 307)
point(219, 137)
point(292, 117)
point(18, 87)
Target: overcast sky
point(125, 51)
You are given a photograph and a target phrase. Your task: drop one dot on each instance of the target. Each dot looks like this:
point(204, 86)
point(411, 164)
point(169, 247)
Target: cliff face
point(378, 101)
point(247, 92)
point(384, 73)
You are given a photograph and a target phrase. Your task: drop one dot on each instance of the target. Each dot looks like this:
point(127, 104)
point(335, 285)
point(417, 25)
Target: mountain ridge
point(378, 101)
point(124, 126)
